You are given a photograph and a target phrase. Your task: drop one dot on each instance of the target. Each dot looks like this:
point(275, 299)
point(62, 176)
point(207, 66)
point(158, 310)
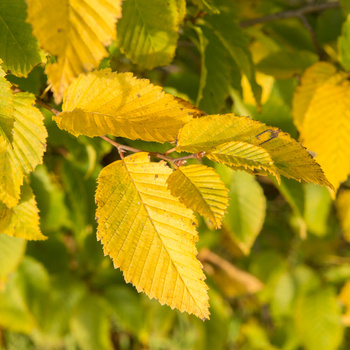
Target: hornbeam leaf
point(289, 158)
point(199, 187)
point(18, 47)
point(21, 156)
point(6, 108)
point(149, 234)
point(310, 81)
point(326, 128)
point(103, 102)
point(148, 31)
point(74, 31)
point(22, 220)
point(238, 154)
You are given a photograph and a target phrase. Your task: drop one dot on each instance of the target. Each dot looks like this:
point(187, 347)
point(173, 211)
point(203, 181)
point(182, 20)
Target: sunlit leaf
point(318, 320)
point(25, 152)
point(18, 47)
point(23, 219)
point(74, 31)
point(344, 297)
point(200, 188)
point(326, 128)
point(343, 211)
point(149, 234)
point(289, 157)
point(6, 108)
point(103, 102)
point(148, 31)
point(310, 81)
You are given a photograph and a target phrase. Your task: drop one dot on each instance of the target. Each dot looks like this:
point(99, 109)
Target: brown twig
point(41, 103)
point(290, 13)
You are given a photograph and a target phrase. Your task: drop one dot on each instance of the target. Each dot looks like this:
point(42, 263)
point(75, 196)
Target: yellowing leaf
point(148, 31)
point(289, 158)
point(149, 234)
point(310, 81)
point(6, 108)
point(344, 297)
point(103, 102)
point(238, 154)
point(76, 31)
point(25, 152)
point(343, 210)
point(22, 220)
point(200, 188)
point(326, 128)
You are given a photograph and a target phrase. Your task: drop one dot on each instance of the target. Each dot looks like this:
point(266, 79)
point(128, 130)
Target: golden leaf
point(343, 211)
point(6, 108)
point(21, 156)
point(74, 31)
point(326, 128)
point(149, 234)
point(344, 297)
point(200, 188)
point(103, 102)
point(23, 219)
point(290, 159)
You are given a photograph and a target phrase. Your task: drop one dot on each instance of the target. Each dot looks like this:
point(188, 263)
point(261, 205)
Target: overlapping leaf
point(18, 47)
point(74, 31)
point(23, 219)
point(103, 102)
point(200, 188)
point(289, 158)
point(325, 127)
point(25, 152)
point(148, 31)
point(6, 108)
point(149, 234)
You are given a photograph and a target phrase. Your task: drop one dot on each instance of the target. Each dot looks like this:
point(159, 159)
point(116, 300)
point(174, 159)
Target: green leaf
point(285, 64)
point(12, 251)
point(148, 31)
point(317, 319)
point(23, 219)
point(90, 324)
point(19, 49)
point(232, 38)
point(344, 44)
point(200, 188)
point(246, 212)
point(216, 68)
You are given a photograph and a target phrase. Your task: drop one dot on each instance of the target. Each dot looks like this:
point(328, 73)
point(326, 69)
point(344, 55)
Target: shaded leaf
point(344, 297)
point(25, 152)
point(344, 44)
point(149, 234)
point(18, 47)
point(343, 211)
point(289, 157)
point(23, 219)
point(103, 102)
point(200, 188)
point(318, 320)
point(12, 251)
point(148, 31)
point(246, 212)
point(326, 128)
point(74, 31)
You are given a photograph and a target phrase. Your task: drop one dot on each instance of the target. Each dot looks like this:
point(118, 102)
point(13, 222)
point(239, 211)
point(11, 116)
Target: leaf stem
point(290, 13)
point(43, 104)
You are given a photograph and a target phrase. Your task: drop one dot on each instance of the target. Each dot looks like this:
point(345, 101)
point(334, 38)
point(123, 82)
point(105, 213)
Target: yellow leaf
point(344, 297)
point(149, 234)
point(289, 158)
point(6, 108)
point(21, 156)
point(200, 188)
point(343, 211)
point(326, 128)
point(103, 102)
point(22, 220)
point(310, 81)
point(76, 31)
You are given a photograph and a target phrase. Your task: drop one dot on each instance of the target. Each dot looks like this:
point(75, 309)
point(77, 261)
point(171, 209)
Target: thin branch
point(291, 13)
point(41, 103)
